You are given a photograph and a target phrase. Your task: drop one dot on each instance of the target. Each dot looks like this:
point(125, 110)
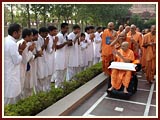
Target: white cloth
point(71, 71)
point(61, 55)
point(60, 77)
point(27, 91)
point(97, 44)
point(123, 66)
point(12, 60)
point(83, 48)
point(73, 60)
point(90, 50)
point(50, 54)
point(73, 51)
point(26, 56)
point(32, 77)
point(42, 65)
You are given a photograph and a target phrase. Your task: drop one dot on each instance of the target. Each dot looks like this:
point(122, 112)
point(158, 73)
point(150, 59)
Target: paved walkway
point(142, 103)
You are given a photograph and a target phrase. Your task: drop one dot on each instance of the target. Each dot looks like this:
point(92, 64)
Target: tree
point(35, 9)
point(12, 20)
point(137, 20)
point(21, 15)
point(29, 22)
point(149, 23)
point(43, 9)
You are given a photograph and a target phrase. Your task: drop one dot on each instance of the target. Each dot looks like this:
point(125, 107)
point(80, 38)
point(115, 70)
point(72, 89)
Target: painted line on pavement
point(95, 104)
point(139, 103)
point(146, 112)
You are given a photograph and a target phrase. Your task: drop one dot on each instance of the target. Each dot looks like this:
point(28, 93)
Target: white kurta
point(26, 56)
point(61, 60)
point(80, 59)
point(97, 44)
point(90, 50)
point(83, 48)
point(32, 80)
point(42, 66)
point(12, 60)
point(50, 55)
point(61, 55)
point(73, 60)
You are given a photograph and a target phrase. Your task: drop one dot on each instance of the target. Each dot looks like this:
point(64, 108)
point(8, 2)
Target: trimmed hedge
point(34, 104)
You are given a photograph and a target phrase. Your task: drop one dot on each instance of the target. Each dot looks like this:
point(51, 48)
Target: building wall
point(140, 8)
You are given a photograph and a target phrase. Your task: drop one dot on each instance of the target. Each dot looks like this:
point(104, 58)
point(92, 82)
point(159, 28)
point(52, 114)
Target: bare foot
point(110, 89)
point(125, 90)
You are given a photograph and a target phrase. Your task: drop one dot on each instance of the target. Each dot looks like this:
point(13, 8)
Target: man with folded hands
point(119, 77)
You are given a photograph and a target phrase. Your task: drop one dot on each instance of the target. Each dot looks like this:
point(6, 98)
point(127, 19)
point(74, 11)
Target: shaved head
point(124, 46)
point(133, 28)
point(153, 29)
point(127, 29)
point(146, 31)
point(121, 28)
point(125, 43)
point(110, 25)
point(153, 26)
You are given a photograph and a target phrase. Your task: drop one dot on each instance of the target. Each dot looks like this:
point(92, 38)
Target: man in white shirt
point(87, 36)
point(90, 39)
point(97, 45)
point(50, 53)
point(31, 73)
point(73, 50)
point(42, 65)
point(83, 47)
point(27, 55)
point(61, 57)
point(12, 60)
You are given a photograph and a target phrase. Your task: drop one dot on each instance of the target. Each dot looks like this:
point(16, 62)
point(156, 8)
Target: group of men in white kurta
point(45, 56)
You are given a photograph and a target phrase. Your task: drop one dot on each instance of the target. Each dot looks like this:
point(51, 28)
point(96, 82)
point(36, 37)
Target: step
point(70, 102)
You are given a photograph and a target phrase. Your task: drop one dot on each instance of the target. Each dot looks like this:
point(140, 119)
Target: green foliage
point(95, 14)
point(34, 104)
point(137, 20)
point(149, 23)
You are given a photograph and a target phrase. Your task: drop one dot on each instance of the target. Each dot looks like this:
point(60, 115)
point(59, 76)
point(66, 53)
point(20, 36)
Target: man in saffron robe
point(136, 39)
point(107, 37)
point(119, 77)
point(150, 45)
point(143, 59)
point(120, 29)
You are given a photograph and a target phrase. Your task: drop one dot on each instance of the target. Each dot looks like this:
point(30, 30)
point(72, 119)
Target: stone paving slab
point(154, 99)
point(140, 96)
point(108, 106)
point(152, 111)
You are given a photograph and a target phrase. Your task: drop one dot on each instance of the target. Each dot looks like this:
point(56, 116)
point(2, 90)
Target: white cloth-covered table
point(123, 66)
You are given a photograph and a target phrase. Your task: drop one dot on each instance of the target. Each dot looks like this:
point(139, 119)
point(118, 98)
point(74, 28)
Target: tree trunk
point(44, 16)
point(58, 22)
point(12, 16)
point(82, 26)
point(29, 25)
point(36, 18)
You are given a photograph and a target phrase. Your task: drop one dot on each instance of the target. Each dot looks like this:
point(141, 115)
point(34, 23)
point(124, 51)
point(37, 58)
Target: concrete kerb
point(70, 102)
